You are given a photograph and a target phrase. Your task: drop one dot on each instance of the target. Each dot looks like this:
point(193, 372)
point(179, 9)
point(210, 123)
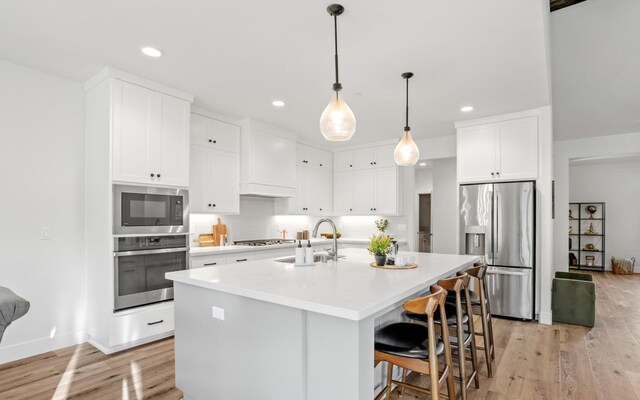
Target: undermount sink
point(316, 258)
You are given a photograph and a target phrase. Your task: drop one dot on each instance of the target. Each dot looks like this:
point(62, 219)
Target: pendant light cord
point(406, 126)
point(337, 85)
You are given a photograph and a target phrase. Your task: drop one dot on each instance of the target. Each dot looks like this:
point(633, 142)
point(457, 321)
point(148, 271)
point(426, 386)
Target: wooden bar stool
point(417, 347)
point(480, 303)
point(458, 318)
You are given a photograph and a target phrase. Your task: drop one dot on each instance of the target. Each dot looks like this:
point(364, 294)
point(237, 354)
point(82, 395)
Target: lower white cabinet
point(215, 181)
point(141, 324)
point(374, 191)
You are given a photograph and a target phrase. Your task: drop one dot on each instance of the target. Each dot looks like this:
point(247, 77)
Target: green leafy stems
point(380, 245)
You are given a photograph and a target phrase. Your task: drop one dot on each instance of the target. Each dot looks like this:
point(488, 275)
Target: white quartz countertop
point(349, 288)
point(197, 251)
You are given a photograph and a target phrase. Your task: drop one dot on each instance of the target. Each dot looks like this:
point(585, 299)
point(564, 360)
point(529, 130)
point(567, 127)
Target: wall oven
point(149, 210)
point(140, 263)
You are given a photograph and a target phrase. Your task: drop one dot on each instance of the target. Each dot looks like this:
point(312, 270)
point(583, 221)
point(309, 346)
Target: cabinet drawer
point(216, 134)
point(138, 325)
point(208, 261)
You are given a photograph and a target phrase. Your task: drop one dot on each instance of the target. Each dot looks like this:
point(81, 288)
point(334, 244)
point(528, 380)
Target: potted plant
point(380, 246)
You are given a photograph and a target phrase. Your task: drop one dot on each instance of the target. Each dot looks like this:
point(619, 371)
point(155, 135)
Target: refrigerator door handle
point(494, 272)
point(497, 224)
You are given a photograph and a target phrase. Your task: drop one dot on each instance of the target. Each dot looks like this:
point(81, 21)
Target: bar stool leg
point(472, 332)
point(433, 361)
point(389, 378)
point(461, 349)
point(404, 379)
point(448, 359)
point(486, 336)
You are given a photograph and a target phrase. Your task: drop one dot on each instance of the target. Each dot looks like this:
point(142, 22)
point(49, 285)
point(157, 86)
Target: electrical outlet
point(217, 313)
point(45, 233)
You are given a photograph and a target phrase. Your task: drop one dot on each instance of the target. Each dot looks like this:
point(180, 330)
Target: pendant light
point(406, 152)
point(337, 122)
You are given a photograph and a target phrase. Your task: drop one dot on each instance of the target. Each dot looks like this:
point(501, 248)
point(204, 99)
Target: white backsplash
point(257, 221)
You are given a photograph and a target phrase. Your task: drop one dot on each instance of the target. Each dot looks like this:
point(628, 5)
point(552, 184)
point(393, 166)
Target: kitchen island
point(269, 330)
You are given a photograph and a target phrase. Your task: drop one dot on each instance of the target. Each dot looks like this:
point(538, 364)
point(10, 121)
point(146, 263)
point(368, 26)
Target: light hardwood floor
point(532, 361)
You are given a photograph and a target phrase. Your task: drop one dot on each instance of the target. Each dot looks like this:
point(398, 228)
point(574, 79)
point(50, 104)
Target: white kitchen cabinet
point(313, 196)
point(209, 260)
point(343, 161)
point(211, 132)
point(312, 157)
point(498, 151)
point(384, 156)
point(267, 162)
point(343, 193)
point(365, 190)
point(215, 181)
point(150, 136)
point(364, 158)
point(387, 195)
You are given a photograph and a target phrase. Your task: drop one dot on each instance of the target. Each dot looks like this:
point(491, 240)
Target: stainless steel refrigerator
point(497, 221)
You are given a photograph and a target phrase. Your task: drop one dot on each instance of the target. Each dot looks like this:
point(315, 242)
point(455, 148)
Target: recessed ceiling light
point(423, 164)
point(151, 52)
point(278, 103)
point(466, 109)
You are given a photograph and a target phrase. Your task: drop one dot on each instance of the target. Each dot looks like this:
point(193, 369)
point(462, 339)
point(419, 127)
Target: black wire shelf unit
point(587, 237)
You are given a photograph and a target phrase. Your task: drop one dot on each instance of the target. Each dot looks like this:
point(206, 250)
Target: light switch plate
point(217, 313)
point(45, 233)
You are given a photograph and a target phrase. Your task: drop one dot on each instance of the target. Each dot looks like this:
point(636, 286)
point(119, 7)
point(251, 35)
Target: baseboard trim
point(114, 349)
point(545, 317)
point(34, 347)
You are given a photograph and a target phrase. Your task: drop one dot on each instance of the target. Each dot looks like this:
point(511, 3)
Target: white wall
point(616, 183)
point(41, 164)
point(424, 180)
point(444, 206)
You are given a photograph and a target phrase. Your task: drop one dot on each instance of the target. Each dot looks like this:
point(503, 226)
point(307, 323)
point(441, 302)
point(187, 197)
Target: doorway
point(424, 224)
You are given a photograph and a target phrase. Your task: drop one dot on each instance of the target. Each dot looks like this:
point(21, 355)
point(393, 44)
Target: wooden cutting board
point(206, 240)
point(219, 229)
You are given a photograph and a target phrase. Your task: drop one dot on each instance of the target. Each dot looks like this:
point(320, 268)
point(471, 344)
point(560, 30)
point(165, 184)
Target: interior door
point(514, 224)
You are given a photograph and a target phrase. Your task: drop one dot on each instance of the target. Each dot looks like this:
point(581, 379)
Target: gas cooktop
point(262, 242)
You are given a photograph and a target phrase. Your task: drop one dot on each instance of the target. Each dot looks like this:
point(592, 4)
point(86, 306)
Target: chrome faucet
point(334, 252)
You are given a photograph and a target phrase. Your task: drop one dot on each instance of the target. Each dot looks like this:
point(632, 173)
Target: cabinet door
point(296, 205)
point(476, 153)
point(343, 190)
point(214, 133)
point(198, 182)
point(134, 130)
point(386, 198)
point(364, 158)
point(224, 182)
point(518, 149)
point(384, 156)
point(302, 155)
point(318, 191)
point(343, 161)
point(364, 194)
point(173, 156)
point(272, 160)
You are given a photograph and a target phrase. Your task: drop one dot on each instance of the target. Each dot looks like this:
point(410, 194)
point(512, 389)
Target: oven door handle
point(145, 252)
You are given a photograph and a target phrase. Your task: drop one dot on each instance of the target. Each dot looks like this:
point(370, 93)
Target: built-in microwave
point(150, 210)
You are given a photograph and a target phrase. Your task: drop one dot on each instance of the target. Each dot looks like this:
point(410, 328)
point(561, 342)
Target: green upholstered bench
point(573, 299)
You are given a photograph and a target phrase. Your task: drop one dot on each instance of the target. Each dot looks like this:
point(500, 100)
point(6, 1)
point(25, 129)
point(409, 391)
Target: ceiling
point(626, 158)
point(595, 64)
point(238, 56)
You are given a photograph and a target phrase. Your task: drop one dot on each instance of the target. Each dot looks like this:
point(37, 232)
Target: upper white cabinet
point(214, 166)
point(498, 151)
point(314, 184)
point(267, 161)
point(312, 157)
point(150, 136)
point(366, 182)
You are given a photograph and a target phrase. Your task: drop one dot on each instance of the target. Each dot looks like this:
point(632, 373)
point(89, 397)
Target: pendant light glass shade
point(406, 152)
point(337, 122)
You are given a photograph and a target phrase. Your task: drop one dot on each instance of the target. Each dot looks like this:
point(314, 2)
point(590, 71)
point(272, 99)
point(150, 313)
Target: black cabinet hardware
point(152, 175)
point(213, 263)
point(155, 323)
point(241, 260)
point(158, 175)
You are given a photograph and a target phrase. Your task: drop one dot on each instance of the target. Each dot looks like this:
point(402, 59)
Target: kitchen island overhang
point(269, 330)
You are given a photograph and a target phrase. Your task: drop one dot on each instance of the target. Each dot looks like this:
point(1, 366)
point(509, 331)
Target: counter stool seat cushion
point(405, 339)
point(449, 309)
point(474, 296)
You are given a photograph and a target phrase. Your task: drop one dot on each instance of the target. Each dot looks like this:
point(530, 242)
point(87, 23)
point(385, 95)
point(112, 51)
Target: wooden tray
point(409, 266)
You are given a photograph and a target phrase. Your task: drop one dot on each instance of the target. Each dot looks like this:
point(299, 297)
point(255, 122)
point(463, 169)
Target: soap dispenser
point(299, 253)
point(308, 253)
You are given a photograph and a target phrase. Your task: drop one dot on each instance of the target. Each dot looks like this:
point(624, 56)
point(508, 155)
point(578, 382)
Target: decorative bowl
point(591, 209)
